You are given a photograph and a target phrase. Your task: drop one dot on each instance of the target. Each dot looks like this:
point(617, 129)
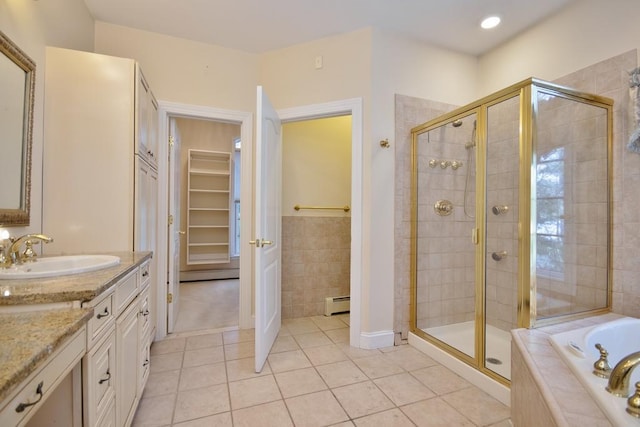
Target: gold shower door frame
point(528, 91)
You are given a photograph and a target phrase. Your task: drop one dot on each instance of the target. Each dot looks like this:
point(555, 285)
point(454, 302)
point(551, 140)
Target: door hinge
point(169, 298)
point(170, 219)
point(171, 141)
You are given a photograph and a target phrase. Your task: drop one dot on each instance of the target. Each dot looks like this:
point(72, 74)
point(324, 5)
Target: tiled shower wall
point(445, 271)
point(608, 78)
point(410, 112)
point(316, 253)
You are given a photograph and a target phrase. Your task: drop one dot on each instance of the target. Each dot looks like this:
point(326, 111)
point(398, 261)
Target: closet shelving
point(208, 207)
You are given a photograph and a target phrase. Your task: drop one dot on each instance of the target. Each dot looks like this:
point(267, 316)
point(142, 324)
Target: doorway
point(209, 169)
point(232, 271)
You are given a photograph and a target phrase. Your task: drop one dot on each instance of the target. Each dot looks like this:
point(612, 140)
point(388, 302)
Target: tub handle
point(601, 367)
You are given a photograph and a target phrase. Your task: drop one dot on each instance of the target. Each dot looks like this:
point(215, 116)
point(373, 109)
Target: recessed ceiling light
point(490, 22)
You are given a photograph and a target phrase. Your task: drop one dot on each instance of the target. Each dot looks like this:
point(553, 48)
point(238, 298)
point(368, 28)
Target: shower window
point(550, 212)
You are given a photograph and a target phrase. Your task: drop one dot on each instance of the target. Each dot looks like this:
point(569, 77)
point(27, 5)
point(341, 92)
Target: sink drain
point(493, 361)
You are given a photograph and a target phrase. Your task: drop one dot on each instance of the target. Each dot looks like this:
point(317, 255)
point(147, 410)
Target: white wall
point(32, 25)
point(185, 71)
point(586, 32)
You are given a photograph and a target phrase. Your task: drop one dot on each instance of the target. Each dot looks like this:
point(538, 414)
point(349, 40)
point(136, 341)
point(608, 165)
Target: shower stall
point(511, 219)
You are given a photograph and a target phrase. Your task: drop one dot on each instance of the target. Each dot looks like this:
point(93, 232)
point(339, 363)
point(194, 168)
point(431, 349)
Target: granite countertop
point(28, 338)
point(76, 287)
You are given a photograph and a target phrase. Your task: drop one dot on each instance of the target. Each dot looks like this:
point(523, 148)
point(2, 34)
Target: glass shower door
point(446, 200)
point(501, 224)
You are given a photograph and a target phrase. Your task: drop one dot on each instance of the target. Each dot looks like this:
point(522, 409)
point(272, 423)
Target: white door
point(267, 241)
point(173, 251)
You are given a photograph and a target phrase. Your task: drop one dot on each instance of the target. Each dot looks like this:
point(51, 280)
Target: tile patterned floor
point(312, 378)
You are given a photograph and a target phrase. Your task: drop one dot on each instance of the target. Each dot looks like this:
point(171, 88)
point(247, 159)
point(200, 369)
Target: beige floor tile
point(242, 369)
point(167, 346)
point(435, 413)
point(239, 350)
point(346, 318)
point(377, 366)
point(312, 339)
point(327, 323)
point(300, 326)
point(345, 424)
point(408, 358)
point(288, 360)
point(478, 406)
point(272, 414)
point(202, 357)
point(203, 376)
point(159, 383)
point(284, 343)
point(201, 402)
point(362, 399)
point(403, 389)
point(440, 380)
point(204, 341)
point(508, 423)
point(154, 411)
point(219, 420)
point(166, 362)
point(316, 410)
point(341, 373)
point(210, 304)
point(325, 354)
point(391, 418)
point(253, 391)
point(338, 335)
point(355, 352)
point(240, 335)
point(301, 381)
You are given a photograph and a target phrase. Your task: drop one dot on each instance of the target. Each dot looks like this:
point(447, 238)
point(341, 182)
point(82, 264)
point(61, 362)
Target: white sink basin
point(59, 266)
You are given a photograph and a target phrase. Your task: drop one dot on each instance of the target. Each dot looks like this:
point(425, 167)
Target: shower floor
point(461, 337)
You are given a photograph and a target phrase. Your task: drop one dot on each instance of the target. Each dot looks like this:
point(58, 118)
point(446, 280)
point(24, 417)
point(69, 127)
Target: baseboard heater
point(333, 305)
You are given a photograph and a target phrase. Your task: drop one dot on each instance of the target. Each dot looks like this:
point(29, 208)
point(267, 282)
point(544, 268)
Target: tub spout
point(621, 373)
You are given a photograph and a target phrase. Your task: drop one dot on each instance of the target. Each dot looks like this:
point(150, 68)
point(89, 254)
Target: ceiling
point(262, 25)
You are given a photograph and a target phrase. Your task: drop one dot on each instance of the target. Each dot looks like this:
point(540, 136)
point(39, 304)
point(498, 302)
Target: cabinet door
point(99, 366)
point(127, 356)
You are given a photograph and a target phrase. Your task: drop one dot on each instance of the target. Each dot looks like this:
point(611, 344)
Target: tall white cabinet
point(100, 190)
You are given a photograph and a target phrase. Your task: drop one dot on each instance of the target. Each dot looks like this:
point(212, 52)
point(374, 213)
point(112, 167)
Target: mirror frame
point(15, 217)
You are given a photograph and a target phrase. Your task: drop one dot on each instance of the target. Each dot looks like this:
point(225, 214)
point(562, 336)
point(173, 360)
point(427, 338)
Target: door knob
point(267, 242)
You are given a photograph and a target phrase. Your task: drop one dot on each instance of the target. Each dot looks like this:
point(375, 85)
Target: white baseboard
point(475, 377)
point(378, 339)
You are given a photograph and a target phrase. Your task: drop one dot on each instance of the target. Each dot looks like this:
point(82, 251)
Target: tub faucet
point(14, 249)
point(621, 373)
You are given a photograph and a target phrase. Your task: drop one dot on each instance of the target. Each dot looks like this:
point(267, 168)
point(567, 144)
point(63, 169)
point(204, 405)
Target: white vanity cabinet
point(100, 178)
point(116, 365)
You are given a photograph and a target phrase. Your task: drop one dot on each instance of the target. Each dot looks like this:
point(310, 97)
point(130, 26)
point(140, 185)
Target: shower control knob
point(498, 256)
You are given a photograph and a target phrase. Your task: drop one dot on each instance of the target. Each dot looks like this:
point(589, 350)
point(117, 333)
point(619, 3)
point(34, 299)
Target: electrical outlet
point(318, 62)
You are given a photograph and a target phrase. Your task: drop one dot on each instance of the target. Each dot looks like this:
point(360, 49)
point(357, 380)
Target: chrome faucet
point(14, 249)
point(621, 373)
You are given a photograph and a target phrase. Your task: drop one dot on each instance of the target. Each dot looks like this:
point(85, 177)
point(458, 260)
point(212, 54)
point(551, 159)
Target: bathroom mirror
point(17, 84)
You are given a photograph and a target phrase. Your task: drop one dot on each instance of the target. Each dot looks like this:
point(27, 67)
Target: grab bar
point(345, 208)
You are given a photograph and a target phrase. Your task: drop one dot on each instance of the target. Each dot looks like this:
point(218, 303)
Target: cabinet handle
point(145, 313)
point(105, 313)
point(146, 273)
point(146, 362)
point(104, 380)
point(21, 407)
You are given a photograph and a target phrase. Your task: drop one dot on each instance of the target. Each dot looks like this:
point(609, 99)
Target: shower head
point(457, 123)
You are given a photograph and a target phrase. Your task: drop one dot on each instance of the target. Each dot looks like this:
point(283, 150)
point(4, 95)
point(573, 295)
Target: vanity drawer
point(103, 319)
point(144, 274)
point(43, 381)
point(126, 291)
